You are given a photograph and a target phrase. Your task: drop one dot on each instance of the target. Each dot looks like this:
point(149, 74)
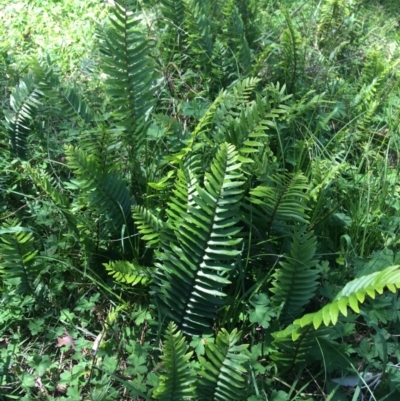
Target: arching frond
point(130, 73)
point(353, 293)
point(199, 33)
point(174, 37)
point(288, 353)
point(68, 98)
point(234, 36)
point(283, 199)
point(148, 225)
point(291, 46)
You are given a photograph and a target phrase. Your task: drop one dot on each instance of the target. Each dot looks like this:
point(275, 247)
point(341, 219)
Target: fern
point(67, 98)
point(175, 35)
point(106, 192)
point(291, 45)
point(24, 101)
point(199, 33)
point(288, 353)
point(130, 73)
point(128, 272)
point(283, 200)
point(354, 292)
point(48, 185)
point(222, 376)
point(148, 225)
point(331, 22)
point(200, 254)
point(18, 258)
point(296, 281)
point(178, 381)
point(234, 36)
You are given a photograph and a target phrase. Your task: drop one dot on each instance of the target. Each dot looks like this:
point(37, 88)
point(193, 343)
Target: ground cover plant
point(199, 200)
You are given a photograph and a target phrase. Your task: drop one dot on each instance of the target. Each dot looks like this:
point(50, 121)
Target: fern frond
point(333, 13)
point(175, 36)
point(196, 262)
point(199, 33)
point(295, 282)
point(291, 46)
point(283, 199)
point(18, 264)
point(248, 130)
point(106, 192)
point(222, 375)
point(148, 225)
point(128, 272)
point(352, 294)
point(234, 36)
point(67, 98)
point(288, 353)
point(130, 72)
point(178, 381)
point(24, 101)
point(174, 11)
point(233, 101)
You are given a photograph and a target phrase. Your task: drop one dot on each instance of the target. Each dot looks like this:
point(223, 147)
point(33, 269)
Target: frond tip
point(222, 377)
point(178, 381)
point(354, 292)
point(127, 272)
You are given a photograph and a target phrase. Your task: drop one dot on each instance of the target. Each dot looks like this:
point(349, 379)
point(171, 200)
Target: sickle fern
point(295, 281)
point(24, 101)
point(353, 293)
point(18, 258)
point(220, 374)
point(201, 245)
point(178, 382)
point(130, 73)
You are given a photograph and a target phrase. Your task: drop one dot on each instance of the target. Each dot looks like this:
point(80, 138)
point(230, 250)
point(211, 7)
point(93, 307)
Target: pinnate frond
point(178, 380)
point(18, 257)
point(107, 193)
point(352, 294)
point(295, 281)
point(196, 260)
point(128, 272)
point(25, 99)
point(222, 374)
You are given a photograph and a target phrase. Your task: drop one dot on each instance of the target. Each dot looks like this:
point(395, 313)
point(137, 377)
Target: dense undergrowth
point(199, 200)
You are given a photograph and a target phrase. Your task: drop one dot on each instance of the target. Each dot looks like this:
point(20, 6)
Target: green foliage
point(354, 292)
point(126, 62)
point(178, 380)
point(196, 263)
point(221, 170)
point(221, 370)
point(295, 282)
point(19, 266)
point(24, 101)
point(127, 272)
point(105, 191)
point(222, 375)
